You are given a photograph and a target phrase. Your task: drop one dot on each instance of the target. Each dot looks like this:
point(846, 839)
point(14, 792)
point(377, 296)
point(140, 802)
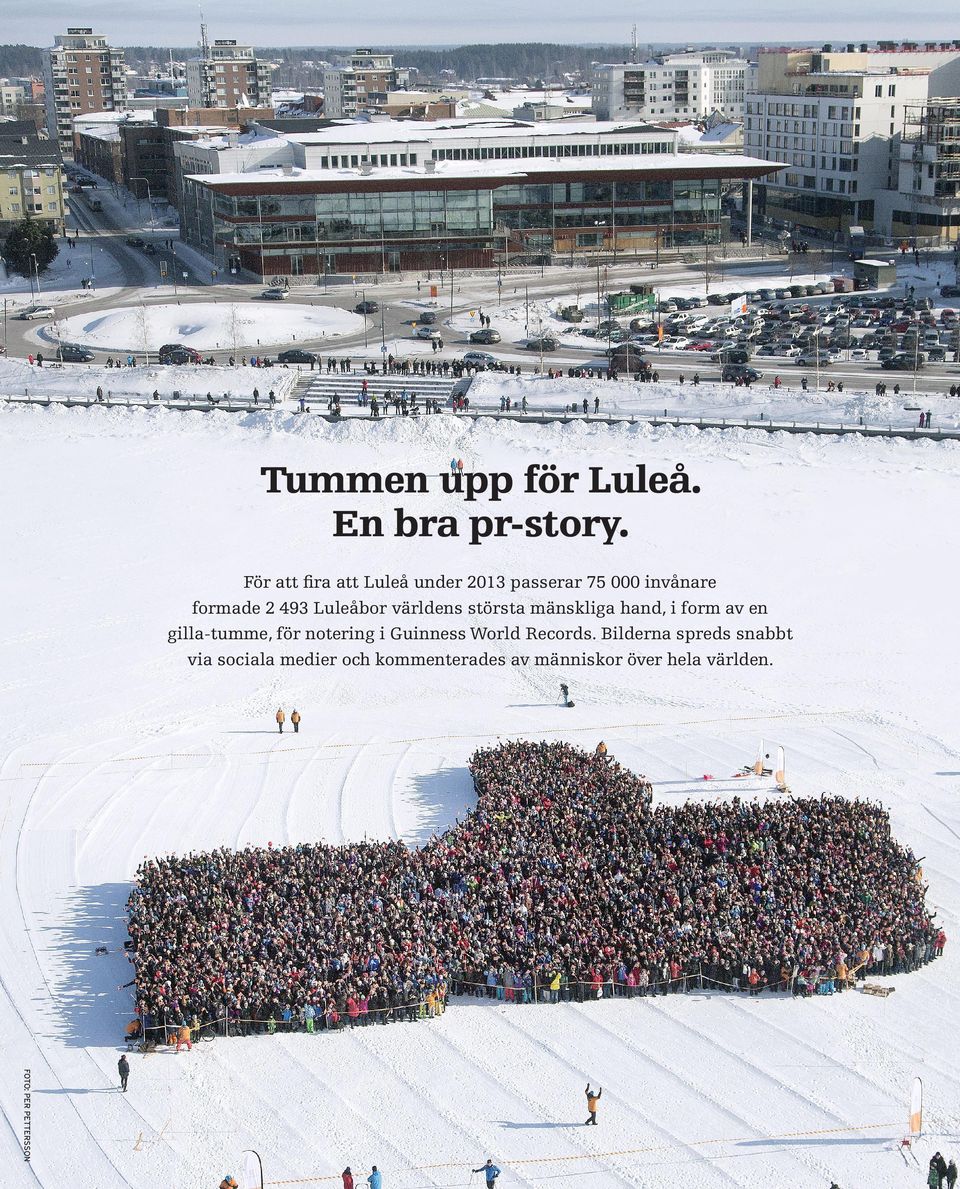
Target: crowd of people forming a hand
point(565, 882)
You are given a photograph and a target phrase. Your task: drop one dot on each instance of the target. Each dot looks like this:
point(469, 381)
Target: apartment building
point(31, 177)
point(12, 97)
point(82, 73)
point(227, 74)
point(359, 82)
point(685, 85)
point(836, 119)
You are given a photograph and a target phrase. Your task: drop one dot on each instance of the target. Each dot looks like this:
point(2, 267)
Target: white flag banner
point(252, 1171)
point(916, 1107)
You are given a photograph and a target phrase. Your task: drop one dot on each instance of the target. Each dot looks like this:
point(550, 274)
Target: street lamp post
point(149, 197)
point(599, 223)
point(816, 354)
point(363, 300)
point(383, 342)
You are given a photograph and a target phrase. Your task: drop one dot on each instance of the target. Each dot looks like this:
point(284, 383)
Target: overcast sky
point(383, 22)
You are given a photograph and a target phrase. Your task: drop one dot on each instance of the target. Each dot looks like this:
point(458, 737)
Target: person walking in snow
point(938, 1167)
point(564, 693)
point(951, 1175)
point(347, 1177)
point(295, 719)
point(593, 1101)
point(375, 1180)
point(281, 718)
point(490, 1172)
point(123, 1068)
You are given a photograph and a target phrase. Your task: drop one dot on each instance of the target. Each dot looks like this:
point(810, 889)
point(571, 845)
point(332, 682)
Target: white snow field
point(73, 381)
point(112, 748)
point(207, 326)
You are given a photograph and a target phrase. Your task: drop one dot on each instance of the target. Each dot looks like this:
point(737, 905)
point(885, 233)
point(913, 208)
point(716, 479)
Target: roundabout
point(205, 326)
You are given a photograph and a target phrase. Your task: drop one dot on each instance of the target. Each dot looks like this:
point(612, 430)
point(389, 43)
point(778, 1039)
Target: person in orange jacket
point(295, 719)
point(593, 1100)
point(183, 1038)
point(281, 718)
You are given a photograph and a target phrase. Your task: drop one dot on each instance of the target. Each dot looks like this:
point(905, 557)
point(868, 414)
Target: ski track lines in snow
point(373, 1080)
point(584, 1055)
point(554, 1138)
point(800, 1109)
point(46, 888)
point(807, 1044)
point(61, 1109)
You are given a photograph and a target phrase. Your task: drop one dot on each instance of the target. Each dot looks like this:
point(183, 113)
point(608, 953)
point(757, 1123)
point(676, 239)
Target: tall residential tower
point(82, 74)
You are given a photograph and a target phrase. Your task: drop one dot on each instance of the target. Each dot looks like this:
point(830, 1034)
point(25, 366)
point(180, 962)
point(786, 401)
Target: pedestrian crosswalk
point(318, 389)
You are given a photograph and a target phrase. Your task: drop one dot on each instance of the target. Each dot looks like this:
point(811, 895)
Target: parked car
point(179, 353)
point(296, 355)
point(69, 353)
point(903, 363)
point(37, 312)
point(738, 371)
point(482, 360)
point(950, 290)
point(732, 354)
point(812, 359)
point(275, 294)
point(367, 307)
point(487, 335)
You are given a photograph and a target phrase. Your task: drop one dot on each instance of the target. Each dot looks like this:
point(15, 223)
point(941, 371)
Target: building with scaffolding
point(838, 120)
point(928, 206)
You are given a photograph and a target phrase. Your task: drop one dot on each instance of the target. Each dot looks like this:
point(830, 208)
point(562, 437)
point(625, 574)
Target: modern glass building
point(532, 200)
